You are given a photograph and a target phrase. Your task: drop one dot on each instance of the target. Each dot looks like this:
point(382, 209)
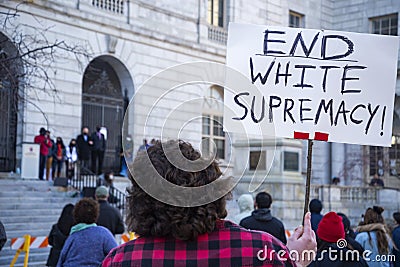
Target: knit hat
point(101, 191)
point(331, 228)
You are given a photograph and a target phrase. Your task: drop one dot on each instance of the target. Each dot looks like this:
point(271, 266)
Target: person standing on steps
point(83, 147)
point(59, 153)
point(45, 144)
point(98, 149)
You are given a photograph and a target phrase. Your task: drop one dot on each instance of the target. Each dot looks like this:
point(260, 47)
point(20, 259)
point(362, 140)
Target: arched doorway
point(10, 68)
point(107, 86)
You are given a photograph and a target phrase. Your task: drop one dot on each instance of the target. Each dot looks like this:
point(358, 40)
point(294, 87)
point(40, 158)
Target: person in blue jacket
point(87, 244)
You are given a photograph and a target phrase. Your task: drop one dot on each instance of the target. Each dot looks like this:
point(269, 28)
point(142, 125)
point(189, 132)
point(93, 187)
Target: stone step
point(23, 212)
point(37, 257)
point(26, 218)
point(32, 206)
point(29, 199)
point(16, 194)
point(16, 226)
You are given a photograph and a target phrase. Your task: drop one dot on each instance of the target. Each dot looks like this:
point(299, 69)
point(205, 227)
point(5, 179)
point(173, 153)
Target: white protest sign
point(312, 84)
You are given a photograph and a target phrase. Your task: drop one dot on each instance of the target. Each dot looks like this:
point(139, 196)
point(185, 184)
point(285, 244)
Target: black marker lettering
point(264, 79)
point(288, 109)
point(350, 46)
point(303, 72)
point(302, 109)
point(299, 38)
point(267, 40)
point(253, 117)
point(325, 74)
point(355, 121)
point(345, 78)
point(236, 99)
point(286, 74)
point(272, 105)
point(326, 107)
point(372, 113)
point(341, 110)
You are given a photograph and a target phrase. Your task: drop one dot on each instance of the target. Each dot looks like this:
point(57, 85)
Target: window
point(290, 161)
point(386, 25)
point(212, 122)
point(213, 132)
point(377, 159)
point(258, 160)
point(215, 12)
point(115, 6)
point(296, 20)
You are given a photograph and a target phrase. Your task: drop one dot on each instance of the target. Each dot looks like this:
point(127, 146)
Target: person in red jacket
point(45, 144)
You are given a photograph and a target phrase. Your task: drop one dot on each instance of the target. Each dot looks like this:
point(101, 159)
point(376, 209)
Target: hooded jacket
point(262, 220)
point(316, 216)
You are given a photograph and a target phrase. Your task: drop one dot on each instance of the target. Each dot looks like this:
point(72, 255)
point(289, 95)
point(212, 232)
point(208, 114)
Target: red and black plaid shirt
point(227, 246)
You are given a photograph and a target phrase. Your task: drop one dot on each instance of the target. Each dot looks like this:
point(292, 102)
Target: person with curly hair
point(87, 244)
point(373, 235)
point(193, 236)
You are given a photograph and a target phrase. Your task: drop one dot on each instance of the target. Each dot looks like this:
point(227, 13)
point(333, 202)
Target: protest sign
point(312, 84)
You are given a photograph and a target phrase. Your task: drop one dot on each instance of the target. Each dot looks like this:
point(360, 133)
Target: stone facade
point(141, 38)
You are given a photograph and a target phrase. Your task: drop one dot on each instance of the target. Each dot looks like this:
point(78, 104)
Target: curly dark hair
point(86, 211)
point(150, 217)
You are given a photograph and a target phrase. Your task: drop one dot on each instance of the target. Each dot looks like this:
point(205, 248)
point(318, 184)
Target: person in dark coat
point(109, 217)
point(396, 239)
point(98, 149)
point(262, 220)
point(3, 236)
point(59, 233)
point(350, 235)
point(332, 247)
point(83, 147)
point(315, 207)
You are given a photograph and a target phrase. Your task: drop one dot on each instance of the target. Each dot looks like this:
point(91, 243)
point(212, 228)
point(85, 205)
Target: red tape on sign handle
point(321, 136)
point(300, 135)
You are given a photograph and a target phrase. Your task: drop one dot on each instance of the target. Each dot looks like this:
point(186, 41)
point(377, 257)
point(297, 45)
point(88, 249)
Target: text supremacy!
point(315, 79)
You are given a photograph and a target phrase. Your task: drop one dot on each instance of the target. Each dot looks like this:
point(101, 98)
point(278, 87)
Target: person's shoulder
point(118, 253)
point(235, 231)
point(277, 221)
point(361, 236)
point(101, 229)
point(246, 220)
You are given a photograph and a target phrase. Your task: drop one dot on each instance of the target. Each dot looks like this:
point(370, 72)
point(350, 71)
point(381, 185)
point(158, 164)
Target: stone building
point(129, 41)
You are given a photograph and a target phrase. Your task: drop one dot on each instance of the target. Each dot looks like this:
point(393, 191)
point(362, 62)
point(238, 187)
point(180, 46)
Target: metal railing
point(217, 34)
point(87, 183)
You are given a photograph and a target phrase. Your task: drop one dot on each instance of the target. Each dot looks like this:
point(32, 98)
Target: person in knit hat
point(332, 246)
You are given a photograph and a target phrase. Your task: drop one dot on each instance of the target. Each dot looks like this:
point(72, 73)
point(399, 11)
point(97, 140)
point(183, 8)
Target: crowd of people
point(73, 245)
point(201, 236)
point(87, 149)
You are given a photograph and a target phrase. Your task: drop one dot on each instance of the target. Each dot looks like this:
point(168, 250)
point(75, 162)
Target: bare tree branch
point(27, 58)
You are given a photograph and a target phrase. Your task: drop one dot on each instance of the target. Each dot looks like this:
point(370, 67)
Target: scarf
point(372, 227)
point(80, 227)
